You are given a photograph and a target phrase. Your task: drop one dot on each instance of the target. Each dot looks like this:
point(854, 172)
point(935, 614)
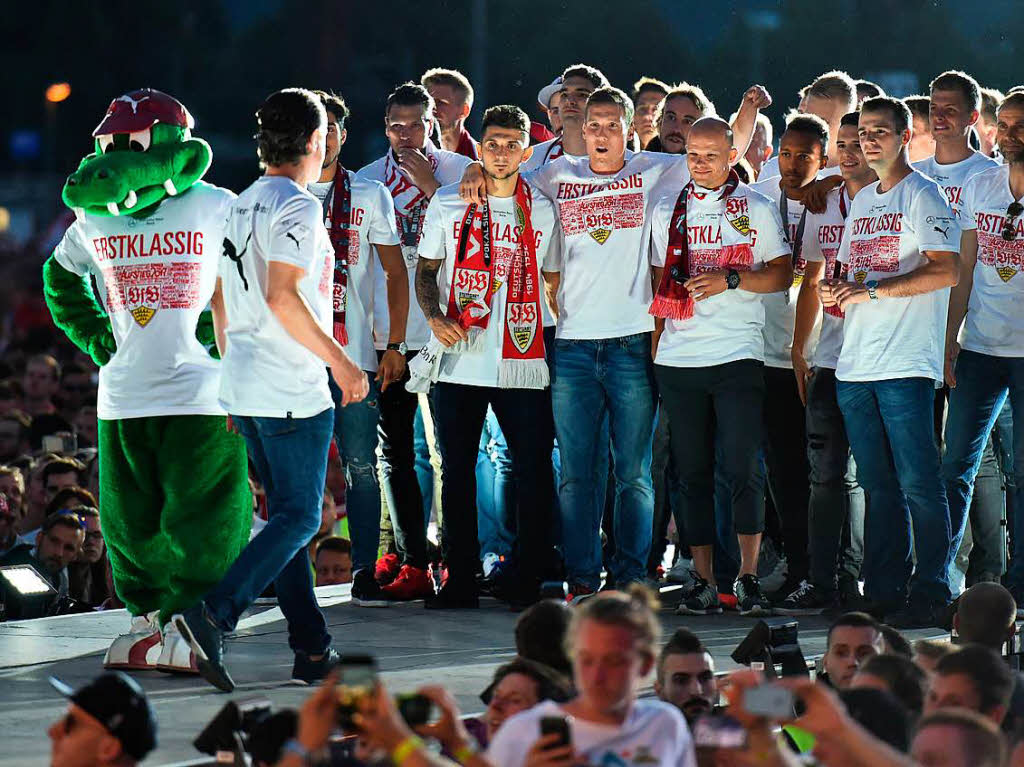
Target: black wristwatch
point(732, 279)
point(399, 347)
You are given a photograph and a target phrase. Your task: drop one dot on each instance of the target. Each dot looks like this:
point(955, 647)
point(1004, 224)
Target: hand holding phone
point(770, 701)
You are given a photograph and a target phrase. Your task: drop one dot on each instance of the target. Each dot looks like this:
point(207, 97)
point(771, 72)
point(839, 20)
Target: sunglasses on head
point(1009, 227)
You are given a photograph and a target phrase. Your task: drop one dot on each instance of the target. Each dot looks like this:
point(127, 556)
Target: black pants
point(786, 456)
point(398, 472)
point(836, 508)
point(666, 491)
point(716, 413)
point(524, 416)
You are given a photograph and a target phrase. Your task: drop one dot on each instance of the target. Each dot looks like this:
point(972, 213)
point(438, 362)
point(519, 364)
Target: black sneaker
point(366, 591)
point(700, 598)
point(207, 642)
point(789, 585)
point(750, 600)
point(455, 595)
point(917, 616)
point(307, 671)
point(806, 599)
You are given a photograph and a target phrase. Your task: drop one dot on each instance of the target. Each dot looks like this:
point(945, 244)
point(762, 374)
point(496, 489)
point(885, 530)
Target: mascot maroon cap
point(138, 110)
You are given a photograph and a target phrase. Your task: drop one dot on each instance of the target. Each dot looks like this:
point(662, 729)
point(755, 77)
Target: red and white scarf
point(338, 211)
point(673, 301)
point(839, 270)
point(473, 285)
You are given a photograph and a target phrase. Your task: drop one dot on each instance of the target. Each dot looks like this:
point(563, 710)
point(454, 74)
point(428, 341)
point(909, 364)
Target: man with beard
point(686, 676)
point(453, 101)
point(684, 104)
point(56, 546)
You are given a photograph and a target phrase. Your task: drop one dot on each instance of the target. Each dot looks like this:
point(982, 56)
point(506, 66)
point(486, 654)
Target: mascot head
point(144, 152)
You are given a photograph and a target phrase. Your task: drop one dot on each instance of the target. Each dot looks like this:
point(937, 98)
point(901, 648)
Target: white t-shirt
point(995, 311)
point(266, 372)
point(885, 235)
point(780, 308)
point(543, 153)
point(410, 207)
point(822, 234)
point(654, 734)
point(156, 275)
point(441, 241)
point(605, 286)
point(729, 326)
point(372, 222)
point(951, 177)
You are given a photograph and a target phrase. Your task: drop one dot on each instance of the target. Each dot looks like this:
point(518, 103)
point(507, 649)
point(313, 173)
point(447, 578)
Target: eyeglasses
point(1009, 228)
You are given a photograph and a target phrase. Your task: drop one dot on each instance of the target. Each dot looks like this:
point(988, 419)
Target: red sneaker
point(411, 583)
point(578, 591)
point(386, 569)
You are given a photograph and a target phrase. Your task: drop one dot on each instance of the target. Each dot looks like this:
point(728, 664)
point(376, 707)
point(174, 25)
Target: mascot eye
point(106, 141)
point(139, 140)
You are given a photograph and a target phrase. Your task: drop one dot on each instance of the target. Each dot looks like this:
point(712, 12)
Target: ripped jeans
point(355, 431)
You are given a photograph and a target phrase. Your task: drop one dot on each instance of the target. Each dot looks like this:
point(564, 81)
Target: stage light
point(773, 643)
point(25, 593)
point(57, 92)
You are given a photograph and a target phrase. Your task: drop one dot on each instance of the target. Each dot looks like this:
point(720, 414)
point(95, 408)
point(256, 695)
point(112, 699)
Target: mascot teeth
point(131, 199)
point(169, 186)
point(112, 207)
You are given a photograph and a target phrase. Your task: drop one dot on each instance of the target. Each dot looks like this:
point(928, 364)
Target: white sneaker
point(680, 572)
point(176, 655)
point(491, 561)
point(139, 648)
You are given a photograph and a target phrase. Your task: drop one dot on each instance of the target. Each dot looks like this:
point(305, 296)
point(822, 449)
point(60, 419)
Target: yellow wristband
point(404, 749)
point(464, 753)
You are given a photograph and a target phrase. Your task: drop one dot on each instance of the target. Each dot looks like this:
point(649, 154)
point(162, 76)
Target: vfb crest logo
point(522, 324)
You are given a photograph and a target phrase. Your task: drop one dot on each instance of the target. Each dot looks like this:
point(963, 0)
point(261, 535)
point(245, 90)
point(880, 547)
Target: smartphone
point(770, 701)
point(718, 731)
point(414, 708)
point(63, 442)
point(358, 678)
point(559, 725)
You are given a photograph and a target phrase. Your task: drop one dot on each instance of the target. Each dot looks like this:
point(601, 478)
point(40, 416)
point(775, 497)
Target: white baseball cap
point(544, 94)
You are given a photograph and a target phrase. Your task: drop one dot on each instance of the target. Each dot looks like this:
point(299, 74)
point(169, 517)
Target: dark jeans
point(836, 504)
point(983, 384)
point(290, 458)
point(398, 470)
point(525, 419)
point(786, 456)
point(716, 415)
point(597, 382)
point(355, 431)
point(891, 432)
point(666, 491)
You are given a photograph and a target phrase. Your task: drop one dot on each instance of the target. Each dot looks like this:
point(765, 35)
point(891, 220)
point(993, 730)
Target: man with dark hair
point(709, 278)
point(836, 501)
point(273, 317)
point(412, 171)
point(360, 217)
point(487, 350)
point(40, 384)
point(453, 101)
point(13, 435)
point(684, 104)
point(333, 561)
point(922, 144)
point(901, 255)
point(685, 675)
point(577, 83)
point(76, 388)
point(802, 153)
point(974, 677)
point(984, 347)
point(61, 473)
point(896, 674)
point(986, 125)
point(852, 639)
point(647, 94)
point(56, 545)
point(867, 90)
point(540, 634)
point(958, 738)
point(986, 614)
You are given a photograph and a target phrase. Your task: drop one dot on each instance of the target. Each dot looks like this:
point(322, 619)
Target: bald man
point(986, 614)
point(716, 247)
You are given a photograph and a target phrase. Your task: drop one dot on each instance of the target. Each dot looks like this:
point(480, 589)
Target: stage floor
point(414, 646)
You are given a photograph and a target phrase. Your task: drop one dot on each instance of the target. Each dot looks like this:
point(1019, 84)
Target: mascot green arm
point(206, 334)
point(75, 311)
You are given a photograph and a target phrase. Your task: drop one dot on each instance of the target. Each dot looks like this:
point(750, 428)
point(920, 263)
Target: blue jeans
point(890, 428)
point(424, 469)
point(592, 380)
point(355, 430)
point(290, 458)
point(495, 489)
point(983, 383)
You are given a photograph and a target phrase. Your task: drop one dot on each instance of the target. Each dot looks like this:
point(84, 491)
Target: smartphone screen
point(718, 731)
point(358, 677)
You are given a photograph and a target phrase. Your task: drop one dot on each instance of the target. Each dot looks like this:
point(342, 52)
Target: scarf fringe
point(740, 255)
point(834, 311)
point(472, 345)
point(678, 309)
point(524, 374)
point(341, 333)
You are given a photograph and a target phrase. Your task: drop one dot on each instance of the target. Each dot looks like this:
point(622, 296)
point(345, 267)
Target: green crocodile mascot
point(174, 496)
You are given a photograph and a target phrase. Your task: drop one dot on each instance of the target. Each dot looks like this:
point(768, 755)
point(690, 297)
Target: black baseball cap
point(120, 705)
